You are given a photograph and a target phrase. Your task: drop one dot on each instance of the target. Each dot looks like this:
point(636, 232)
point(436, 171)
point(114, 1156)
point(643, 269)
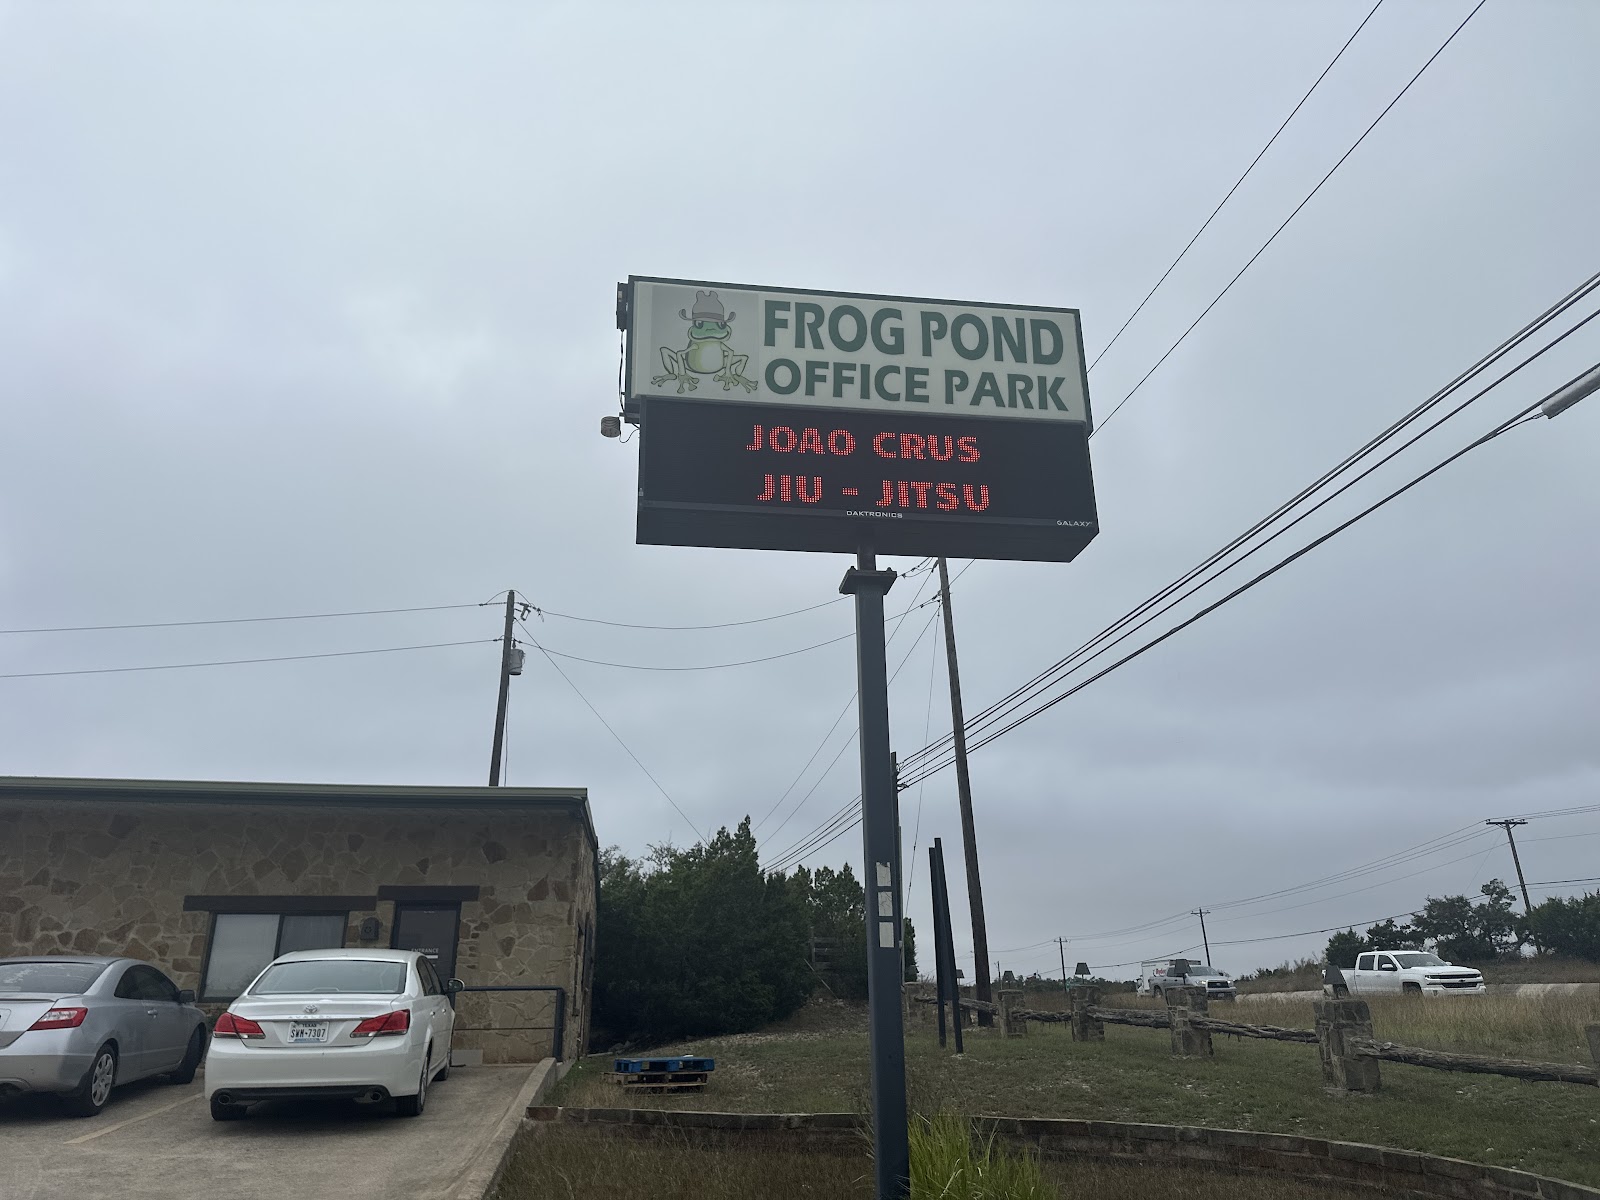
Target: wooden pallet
point(660, 1081)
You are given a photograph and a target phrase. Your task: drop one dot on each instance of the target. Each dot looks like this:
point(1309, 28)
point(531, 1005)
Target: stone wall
point(1349, 1164)
point(111, 877)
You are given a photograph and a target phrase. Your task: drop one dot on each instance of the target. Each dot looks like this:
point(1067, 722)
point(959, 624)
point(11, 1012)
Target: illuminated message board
point(829, 422)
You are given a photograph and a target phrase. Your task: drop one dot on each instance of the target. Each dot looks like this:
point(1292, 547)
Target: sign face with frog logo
point(773, 418)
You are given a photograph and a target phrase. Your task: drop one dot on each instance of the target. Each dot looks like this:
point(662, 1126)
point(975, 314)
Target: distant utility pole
point(969, 836)
point(1527, 905)
point(510, 664)
point(1201, 913)
point(1061, 945)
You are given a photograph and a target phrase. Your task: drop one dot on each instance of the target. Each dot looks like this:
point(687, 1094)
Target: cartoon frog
point(708, 352)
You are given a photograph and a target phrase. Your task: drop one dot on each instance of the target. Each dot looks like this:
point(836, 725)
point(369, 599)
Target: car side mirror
point(186, 996)
point(1388, 967)
point(453, 986)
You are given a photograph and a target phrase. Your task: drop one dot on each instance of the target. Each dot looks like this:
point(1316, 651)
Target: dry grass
point(555, 1166)
point(819, 1064)
point(1546, 1028)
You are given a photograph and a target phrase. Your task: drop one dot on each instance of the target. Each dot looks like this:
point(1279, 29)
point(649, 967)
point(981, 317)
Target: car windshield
point(48, 978)
point(1199, 968)
point(327, 976)
point(1420, 958)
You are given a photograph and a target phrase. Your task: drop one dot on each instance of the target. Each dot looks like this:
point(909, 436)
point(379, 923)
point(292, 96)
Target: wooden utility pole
point(1061, 945)
point(1204, 941)
point(969, 837)
point(1527, 905)
point(505, 690)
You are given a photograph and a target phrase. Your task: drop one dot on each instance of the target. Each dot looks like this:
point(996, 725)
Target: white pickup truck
point(1400, 972)
point(1157, 976)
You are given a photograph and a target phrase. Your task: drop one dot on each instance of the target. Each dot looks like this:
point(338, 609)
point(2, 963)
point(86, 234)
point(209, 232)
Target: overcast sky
point(309, 308)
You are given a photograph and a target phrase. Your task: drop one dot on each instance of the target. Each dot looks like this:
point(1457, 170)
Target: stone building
point(210, 881)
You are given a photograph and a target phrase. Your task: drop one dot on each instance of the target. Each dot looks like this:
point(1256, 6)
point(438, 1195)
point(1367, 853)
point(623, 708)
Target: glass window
point(311, 931)
point(1385, 963)
point(1364, 963)
point(51, 979)
point(128, 985)
point(329, 976)
point(429, 977)
point(153, 985)
point(1419, 959)
point(241, 944)
point(244, 943)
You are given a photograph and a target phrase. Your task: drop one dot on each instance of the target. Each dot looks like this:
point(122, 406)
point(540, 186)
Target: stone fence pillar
point(1010, 1002)
point(1338, 1022)
point(1592, 1032)
point(1187, 1041)
point(1085, 1028)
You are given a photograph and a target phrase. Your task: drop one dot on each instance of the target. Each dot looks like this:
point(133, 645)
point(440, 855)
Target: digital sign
point(765, 476)
point(780, 419)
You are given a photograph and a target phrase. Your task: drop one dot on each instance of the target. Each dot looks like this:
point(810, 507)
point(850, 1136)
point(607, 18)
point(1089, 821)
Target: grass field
point(557, 1167)
point(818, 1063)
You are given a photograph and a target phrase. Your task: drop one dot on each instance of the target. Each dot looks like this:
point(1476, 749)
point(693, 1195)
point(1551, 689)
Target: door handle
point(150, 1012)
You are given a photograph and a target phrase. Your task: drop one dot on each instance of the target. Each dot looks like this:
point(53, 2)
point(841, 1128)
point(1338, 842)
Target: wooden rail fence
point(1343, 1036)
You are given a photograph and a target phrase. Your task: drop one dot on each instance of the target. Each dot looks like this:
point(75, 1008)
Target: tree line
point(1464, 929)
point(697, 942)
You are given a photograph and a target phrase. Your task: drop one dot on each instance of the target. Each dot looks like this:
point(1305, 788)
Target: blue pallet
point(654, 1066)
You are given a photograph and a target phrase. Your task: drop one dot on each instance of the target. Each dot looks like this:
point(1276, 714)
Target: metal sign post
point(881, 839)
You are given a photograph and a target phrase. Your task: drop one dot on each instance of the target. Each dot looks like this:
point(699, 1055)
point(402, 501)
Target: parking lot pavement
point(158, 1142)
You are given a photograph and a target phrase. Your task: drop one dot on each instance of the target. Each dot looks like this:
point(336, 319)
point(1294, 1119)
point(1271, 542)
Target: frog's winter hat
point(706, 308)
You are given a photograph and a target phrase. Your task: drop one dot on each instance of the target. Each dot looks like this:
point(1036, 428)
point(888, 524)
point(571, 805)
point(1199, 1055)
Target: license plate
point(308, 1031)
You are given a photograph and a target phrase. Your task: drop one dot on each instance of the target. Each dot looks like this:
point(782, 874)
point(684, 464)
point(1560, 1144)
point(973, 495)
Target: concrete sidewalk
point(156, 1142)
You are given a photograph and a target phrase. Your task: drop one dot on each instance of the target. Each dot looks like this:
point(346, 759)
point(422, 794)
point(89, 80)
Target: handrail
point(559, 1033)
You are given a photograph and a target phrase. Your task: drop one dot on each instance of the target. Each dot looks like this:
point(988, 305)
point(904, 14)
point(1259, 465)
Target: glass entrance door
point(432, 929)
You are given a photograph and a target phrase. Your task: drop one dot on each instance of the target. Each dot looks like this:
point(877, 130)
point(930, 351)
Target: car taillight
point(230, 1026)
point(396, 1022)
point(61, 1018)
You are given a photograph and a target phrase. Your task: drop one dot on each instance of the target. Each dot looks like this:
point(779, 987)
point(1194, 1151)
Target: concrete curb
point(1236, 1151)
point(484, 1171)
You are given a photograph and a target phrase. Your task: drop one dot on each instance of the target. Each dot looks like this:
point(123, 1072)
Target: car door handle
point(151, 1012)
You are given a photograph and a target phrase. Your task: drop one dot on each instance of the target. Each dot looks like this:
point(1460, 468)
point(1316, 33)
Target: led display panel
point(790, 477)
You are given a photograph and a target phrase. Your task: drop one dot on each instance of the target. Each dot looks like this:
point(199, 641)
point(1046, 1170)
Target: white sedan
point(364, 1025)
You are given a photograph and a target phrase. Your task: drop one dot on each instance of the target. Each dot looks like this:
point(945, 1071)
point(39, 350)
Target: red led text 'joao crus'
point(903, 447)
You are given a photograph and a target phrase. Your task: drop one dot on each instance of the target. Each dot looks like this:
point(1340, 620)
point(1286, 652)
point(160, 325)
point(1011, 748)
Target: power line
point(1558, 882)
point(1042, 680)
point(1296, 212)
point(805, 846)
point(1511, 423)
point(550, 612)
point(843, 712)
point(1236, 184)
point(744, 662)
point(239, 662)
point(626, 748)
point(368, 612)
point(993, 714)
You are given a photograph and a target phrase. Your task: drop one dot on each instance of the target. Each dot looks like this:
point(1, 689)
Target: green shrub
point(945, 1165)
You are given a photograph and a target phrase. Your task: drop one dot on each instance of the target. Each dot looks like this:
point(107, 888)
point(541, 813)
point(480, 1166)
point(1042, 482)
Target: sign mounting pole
point(880, 837)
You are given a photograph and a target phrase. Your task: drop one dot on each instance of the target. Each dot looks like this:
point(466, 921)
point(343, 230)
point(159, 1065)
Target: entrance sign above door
point(779, 419)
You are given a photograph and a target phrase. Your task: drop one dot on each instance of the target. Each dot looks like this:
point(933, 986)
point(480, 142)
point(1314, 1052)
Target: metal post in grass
point(880, 838)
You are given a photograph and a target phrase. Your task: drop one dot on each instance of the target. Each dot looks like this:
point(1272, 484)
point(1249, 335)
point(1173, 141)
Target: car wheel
point(94, 1089)
point(1413, 989)
point(227, 1112)
point(412, 1106)
point(191, 1059)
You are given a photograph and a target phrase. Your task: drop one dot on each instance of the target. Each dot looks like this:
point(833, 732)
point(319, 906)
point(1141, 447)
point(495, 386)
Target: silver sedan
point(80, 1025)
